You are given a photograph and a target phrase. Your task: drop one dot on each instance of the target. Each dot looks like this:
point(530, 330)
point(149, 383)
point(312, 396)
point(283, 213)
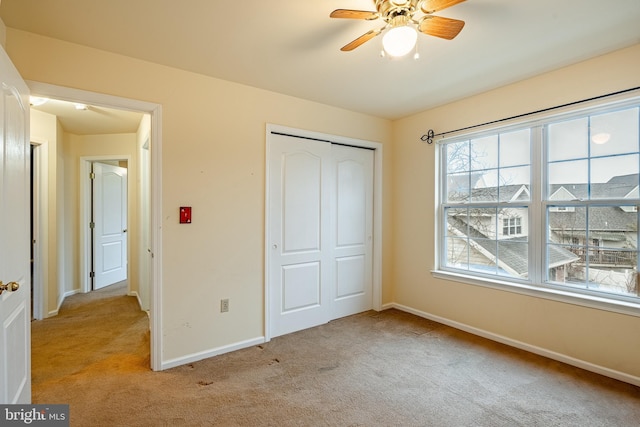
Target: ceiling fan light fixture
point(401, 25)
point(399, 41)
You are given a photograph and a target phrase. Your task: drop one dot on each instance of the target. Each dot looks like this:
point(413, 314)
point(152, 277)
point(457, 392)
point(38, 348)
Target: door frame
point(155, 112)
point(40, 212)
point(85, 215)
point(377, 210)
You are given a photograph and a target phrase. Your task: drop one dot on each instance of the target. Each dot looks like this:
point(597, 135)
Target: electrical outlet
point(224, 305)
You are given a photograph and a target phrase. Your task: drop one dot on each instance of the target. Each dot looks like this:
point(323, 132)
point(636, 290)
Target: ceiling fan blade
point(362, 39)
point(430, 6)
point(354, 14)
point(438, 26)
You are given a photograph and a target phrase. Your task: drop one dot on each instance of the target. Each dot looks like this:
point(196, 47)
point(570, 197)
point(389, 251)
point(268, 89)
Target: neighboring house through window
point(552, 204)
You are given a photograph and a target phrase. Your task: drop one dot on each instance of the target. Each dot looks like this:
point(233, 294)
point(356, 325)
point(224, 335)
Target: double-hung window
point(551, 204)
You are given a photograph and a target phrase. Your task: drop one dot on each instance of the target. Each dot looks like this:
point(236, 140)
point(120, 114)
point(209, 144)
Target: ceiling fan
point(401, 20)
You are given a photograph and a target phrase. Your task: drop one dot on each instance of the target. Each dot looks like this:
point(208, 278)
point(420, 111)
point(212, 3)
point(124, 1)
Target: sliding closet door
point(352, 229)
point(319, 232)
point(299, 262)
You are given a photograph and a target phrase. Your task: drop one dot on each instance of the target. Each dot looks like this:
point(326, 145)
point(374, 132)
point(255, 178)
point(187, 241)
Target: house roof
point(513, 192)
point(607, 219)
point(601, 218)
point(512, 254)
point(618, 187)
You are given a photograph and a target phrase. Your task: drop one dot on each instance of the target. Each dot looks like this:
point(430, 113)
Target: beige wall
point(213, 135)
point(602, 338)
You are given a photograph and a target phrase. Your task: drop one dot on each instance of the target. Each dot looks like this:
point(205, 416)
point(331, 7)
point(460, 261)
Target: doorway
point(150, 252)
point(103, 221)
point(323, 228)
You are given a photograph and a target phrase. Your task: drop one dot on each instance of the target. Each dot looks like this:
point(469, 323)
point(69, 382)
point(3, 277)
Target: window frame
point(537, 284)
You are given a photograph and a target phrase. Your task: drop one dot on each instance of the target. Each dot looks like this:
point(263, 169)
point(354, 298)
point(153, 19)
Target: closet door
point(299, 253)
point(352, 229)
point(319, 232)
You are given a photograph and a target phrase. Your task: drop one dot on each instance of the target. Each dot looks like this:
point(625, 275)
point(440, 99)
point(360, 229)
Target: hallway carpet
point(372, 369)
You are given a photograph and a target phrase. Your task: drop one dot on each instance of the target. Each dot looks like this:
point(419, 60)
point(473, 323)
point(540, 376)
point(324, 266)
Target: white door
point(352, 228)
point(300, 266)
point(110, 224)
point(15, 317)
point(320, 213)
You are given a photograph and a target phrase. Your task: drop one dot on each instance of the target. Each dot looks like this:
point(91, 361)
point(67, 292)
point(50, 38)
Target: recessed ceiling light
point(37, 100)
point(80, 106)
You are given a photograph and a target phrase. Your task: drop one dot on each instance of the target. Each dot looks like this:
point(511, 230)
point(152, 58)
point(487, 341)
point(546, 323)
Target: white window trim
point(535, 286)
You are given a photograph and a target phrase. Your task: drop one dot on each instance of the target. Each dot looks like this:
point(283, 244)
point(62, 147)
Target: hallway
point(98, 332)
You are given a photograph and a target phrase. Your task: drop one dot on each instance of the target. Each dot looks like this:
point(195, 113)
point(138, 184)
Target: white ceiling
point(293, 47)
point(94, 120)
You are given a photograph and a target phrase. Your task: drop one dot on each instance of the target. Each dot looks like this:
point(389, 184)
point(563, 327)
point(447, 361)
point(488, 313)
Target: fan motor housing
point(388, 10)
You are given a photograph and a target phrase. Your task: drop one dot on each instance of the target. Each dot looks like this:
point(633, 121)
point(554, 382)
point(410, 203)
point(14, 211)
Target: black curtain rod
point(320, 140)
point(428, 137)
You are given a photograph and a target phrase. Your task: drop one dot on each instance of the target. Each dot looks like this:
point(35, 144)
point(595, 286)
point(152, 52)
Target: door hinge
point(92, 225)
point(92, 274)
point(92, 175)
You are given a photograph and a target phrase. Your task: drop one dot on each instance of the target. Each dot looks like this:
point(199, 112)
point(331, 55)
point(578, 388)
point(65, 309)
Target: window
point(511, 226)
point(551, 205)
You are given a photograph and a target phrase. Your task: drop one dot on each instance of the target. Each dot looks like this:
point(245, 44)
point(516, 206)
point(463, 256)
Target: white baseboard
point(631, 379)
point(55, 312)
point(135, 294)
point(168, 364)
point(388, 306)
point(69, 293)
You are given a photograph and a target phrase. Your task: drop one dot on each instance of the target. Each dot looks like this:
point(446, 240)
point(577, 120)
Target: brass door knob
point(11, 286)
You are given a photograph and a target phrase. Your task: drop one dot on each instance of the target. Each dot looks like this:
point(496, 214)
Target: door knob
point(11, 286)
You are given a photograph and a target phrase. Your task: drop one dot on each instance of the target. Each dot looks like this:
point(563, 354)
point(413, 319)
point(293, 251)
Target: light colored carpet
point(372, 369)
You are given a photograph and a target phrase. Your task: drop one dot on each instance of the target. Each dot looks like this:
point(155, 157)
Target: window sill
point(590, 301)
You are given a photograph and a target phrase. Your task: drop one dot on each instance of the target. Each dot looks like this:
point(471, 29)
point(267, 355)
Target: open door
point(110, 224)
point(15, 306)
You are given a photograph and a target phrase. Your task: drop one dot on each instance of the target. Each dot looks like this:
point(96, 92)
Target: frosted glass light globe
point(399, 41)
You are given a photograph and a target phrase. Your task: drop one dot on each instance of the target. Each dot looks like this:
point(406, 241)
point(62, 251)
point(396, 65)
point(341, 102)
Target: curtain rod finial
point(428, 137)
